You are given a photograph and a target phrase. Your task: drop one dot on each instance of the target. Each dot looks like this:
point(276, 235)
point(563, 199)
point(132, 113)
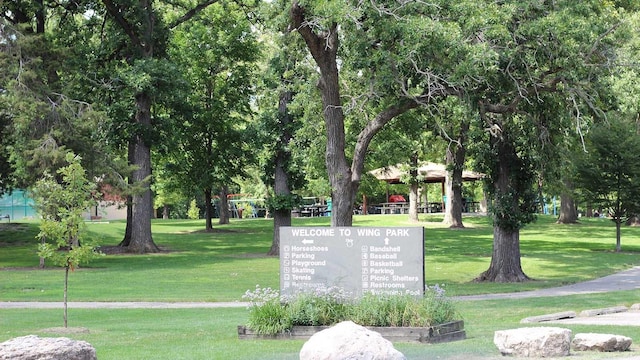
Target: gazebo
point(428, 172)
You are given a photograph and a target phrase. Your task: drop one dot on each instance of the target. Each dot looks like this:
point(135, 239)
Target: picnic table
point(313, 210)
point(394, 208)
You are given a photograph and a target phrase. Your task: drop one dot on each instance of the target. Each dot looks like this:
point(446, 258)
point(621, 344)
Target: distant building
point(111, 206)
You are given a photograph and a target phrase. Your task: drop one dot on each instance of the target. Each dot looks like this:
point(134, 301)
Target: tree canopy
point(197, 94)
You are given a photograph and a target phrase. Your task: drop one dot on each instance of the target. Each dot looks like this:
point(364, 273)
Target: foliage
point(193, 212)
point(61, 206)
point(318, 307)
point(266, 313)
point(62, 228)
point(609, 172)
point(270, 313)
point(279, 202)
point(216, 52)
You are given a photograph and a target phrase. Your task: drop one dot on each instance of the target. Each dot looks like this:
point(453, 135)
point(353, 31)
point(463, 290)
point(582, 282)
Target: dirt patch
point(213, 231)
point(13, 226)
point(121, 250)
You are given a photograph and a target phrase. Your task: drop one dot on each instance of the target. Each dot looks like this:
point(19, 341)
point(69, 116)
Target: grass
point(222, 265)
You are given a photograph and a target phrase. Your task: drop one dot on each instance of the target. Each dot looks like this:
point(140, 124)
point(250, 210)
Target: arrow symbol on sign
point(307, 242)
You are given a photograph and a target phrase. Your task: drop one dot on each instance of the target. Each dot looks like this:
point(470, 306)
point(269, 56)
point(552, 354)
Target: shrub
point(266, 313)
point(193, 212)
point(270, 314)
point(319, 307)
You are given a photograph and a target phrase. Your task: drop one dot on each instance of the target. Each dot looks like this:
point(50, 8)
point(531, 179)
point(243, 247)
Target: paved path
point(119, 305)
point(625, 280)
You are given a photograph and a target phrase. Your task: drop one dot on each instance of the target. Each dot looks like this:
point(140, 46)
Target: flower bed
point(431, 318)
point(448, 332)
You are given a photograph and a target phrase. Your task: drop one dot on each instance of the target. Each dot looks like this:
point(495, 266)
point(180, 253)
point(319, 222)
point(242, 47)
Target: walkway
point(625, 280)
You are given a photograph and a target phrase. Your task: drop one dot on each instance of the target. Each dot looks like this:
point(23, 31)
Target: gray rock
point(32, 347)
point(534, 342)
point(600, 342)
point(348, 340)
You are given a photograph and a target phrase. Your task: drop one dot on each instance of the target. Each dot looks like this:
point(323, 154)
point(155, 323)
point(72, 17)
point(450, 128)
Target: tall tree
point(546, 53)
point(453, 121)
point(609, 172)
point(218, 53)
point(142, 34)
point(387, 54)
point(48, 115)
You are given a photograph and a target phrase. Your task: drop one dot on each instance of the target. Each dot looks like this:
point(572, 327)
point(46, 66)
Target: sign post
point(378, 260)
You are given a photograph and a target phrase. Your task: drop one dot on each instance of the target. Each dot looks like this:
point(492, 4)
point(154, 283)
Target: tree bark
point(505, 261)
point(413, 188)
point(282, 217)
point(126, 240)
point(568, 211)
point(453, 191)
point(208, 209)
point(65, 296)
point(223, 211)
point(142, 210)
point(455, 156)
point(324, 49)
point(618, 234)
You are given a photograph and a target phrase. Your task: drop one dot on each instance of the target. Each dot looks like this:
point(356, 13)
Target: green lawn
point(221, 266)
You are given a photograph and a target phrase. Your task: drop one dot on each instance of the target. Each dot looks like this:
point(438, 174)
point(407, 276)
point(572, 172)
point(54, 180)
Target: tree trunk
point(453, 186)
point(282, 217)
point(618, 221)
point(208, 209)
point(568, 211)
point(413, 188)
point(324, 50)
point(142, 211)
point(165, 212)
point(126, 240)
point(223, 211)
point(344, 178)
point(66, 286)
point(505, 261)
point(40, 17)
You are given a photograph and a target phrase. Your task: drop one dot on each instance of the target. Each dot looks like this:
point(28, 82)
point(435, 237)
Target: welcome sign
point(378, 260)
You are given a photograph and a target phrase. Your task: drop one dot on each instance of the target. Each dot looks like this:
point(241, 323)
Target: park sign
point(377, 260)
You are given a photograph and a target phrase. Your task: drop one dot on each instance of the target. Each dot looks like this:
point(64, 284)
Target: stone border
point(448, 332)
point(549, 317)
point(604, 311)
point(585, 313)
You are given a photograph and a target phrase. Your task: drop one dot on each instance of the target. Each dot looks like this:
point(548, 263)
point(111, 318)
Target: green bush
point(269, 313)
point(193, 212)
point(320, 307)
point(266, 313)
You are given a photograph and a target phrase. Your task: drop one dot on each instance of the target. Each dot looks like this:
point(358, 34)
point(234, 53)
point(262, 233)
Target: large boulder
point(32, 347)
point(534, 342)
point(348, 340)
point(600, 342)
